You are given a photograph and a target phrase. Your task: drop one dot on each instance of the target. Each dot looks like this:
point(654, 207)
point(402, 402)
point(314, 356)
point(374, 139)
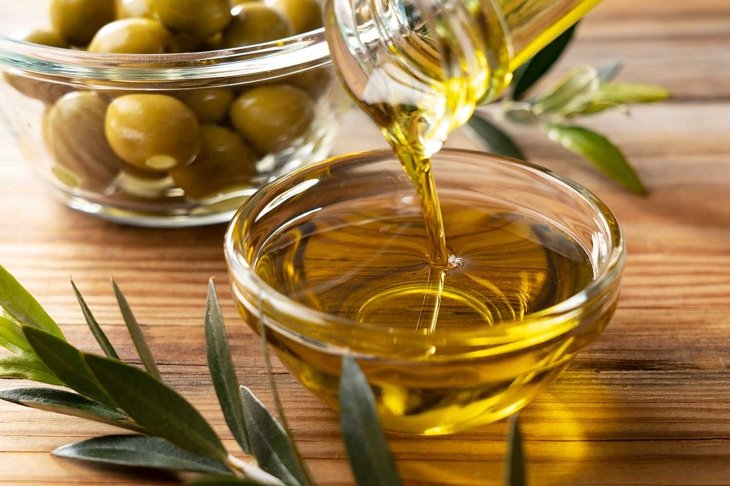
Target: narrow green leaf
point(12, 337)
point(617, 96)
point(497, 141)
point(27, 367)
point(22, 306)
point(269, 442)
point(572, 91)
point(591, 107)
point(609, 71)
point(7, 315)
point(96, 330)
point(67, 403)
point(599, 150)
point(222, 371)
point(515, 470)
point(219, 480)
point(136, 332)
point(528, 74)
point(631, 93)
point(367, 448)
point(306, 476)
point(67, 363)
point(156, 407)
point(139, 451)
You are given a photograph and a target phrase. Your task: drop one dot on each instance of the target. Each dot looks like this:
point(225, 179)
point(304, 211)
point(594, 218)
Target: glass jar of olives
point(167, 112)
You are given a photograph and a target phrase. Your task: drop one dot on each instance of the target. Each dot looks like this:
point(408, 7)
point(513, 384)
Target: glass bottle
point(419, 67)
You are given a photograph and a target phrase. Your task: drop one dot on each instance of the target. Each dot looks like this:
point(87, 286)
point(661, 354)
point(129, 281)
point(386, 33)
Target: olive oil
point(367, 261)
point(430, 268)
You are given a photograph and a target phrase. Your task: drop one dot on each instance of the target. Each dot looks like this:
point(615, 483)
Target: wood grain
point(647, 404)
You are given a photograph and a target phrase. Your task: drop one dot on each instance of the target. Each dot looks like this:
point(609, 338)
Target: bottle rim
point(544, 325)
point(221, 67)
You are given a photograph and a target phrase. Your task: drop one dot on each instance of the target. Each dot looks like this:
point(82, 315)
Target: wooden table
point(648, 403)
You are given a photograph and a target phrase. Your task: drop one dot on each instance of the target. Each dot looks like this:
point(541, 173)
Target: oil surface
point(368, 262)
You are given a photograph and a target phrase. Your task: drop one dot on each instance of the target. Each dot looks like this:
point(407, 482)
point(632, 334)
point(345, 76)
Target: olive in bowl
point(166, 113)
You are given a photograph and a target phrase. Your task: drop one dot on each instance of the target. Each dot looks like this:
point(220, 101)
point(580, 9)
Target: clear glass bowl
point(479, 373)
point(77, 163)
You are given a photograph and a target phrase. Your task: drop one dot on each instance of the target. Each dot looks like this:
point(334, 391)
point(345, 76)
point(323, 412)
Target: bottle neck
point(417, 67)
point(420, 67)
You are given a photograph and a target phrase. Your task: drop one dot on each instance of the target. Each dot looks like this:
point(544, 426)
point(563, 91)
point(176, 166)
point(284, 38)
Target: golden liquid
point(367, 261)
point(440, 269)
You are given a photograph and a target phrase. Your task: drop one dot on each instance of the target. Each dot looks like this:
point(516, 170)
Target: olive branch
point(167, 431)
point(582, 92)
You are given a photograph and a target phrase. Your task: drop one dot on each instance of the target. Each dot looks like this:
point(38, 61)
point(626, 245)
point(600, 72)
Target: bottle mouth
point(319, 329)
point(224, 67)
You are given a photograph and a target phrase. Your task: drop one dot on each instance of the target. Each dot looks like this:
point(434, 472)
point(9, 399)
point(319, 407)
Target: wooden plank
point(646, 404)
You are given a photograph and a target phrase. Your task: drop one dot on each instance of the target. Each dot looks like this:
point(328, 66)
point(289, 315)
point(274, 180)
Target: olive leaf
point(68, 403)
point(531, 72)
point(305, 477)
point(515, 470)
point(18, 302)
point(497, 140)
point(135, 331)
point(609, 71)
point(67, 363)
point(270, 443)
point(612, 95)
point(222, 371)
point(94, 327)
point(631, 92)
point(12, 337)
point(367, 447)
point(156, 407)
point(27, 366)
point(600, 151)
point(139, 451)
point(572, 91)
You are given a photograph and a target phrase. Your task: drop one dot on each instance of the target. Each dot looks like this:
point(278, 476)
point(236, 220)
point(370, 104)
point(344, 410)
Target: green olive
point(225, 161)
point(152, 131)
point(209, 104)
point(304, 15)
point(132, 36)
point(134, 8)
point(78, 20)
point(255, 23)
point(316, 82)
point(49, 38)
point(186, 43)
point(198, 18)
point(133, 184)
point(47, 92)
point(271, 117)
point(73, 130)
point(214, 43)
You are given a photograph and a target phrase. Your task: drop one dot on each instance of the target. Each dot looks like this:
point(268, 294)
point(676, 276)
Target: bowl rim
point(270, 60)
point(538, 324)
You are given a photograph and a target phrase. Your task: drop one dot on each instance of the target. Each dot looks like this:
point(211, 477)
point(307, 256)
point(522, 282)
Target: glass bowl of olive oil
point(336, 258)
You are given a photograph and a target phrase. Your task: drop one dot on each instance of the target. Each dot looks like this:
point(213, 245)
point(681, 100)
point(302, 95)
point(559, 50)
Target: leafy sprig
point(582, 92)
point(169, 433)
